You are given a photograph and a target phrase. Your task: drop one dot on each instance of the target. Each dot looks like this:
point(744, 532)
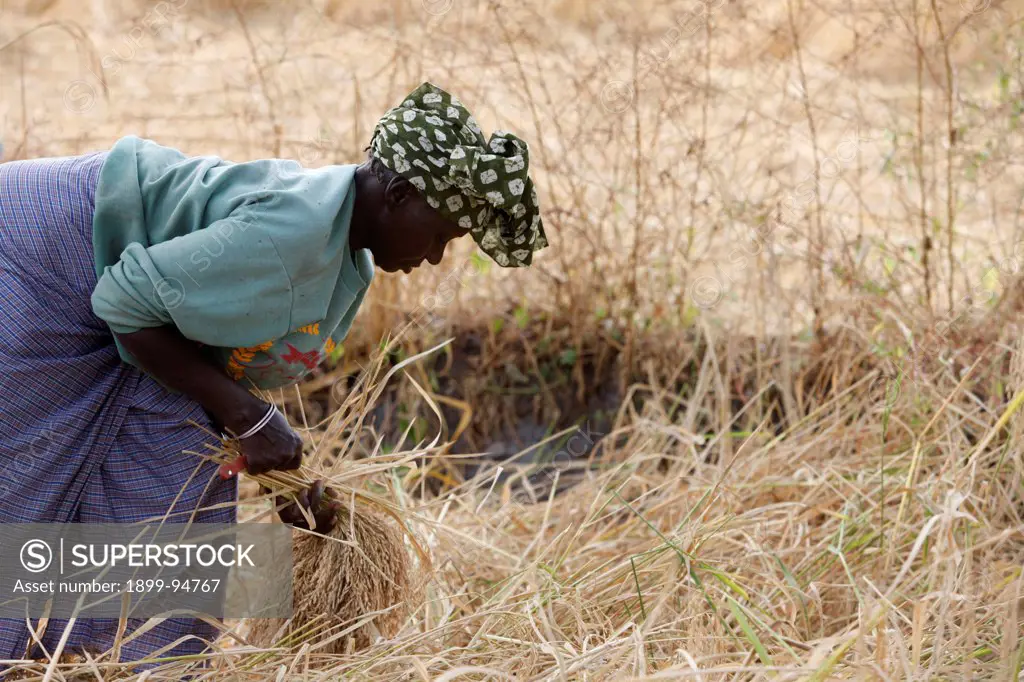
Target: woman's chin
point(398, 267)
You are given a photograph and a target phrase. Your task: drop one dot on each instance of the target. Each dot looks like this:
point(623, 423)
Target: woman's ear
point(398, 191)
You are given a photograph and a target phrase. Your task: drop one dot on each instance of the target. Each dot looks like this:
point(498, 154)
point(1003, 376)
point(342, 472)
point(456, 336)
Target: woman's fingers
point(325, 520)
point(292, 510)
point(318, 500)
point(296, 461)
point(328, 507)
point(316, 493)
point(256, 466)
point(327, 516)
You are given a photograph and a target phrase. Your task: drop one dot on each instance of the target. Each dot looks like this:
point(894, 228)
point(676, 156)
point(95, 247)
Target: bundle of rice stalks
point(349, 588)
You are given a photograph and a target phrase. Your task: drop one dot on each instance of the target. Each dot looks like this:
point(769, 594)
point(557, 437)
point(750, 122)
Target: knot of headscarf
point(484, 186)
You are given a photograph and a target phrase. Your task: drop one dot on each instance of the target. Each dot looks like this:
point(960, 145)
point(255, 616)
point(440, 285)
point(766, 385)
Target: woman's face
point(409, 231)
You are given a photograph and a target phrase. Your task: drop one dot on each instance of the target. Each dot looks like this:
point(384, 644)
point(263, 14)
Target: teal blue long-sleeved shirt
point(250, 259)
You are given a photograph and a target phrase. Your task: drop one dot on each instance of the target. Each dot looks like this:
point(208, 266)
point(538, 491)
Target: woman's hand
point(320, 501)
point(275, 446)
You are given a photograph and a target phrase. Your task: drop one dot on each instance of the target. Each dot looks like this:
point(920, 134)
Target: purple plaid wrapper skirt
point(84, 437)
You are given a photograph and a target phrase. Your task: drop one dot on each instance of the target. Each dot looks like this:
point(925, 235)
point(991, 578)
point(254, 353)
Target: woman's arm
point(179, 364)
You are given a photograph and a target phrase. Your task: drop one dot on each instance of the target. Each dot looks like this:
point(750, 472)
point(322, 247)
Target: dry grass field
point(756, 412)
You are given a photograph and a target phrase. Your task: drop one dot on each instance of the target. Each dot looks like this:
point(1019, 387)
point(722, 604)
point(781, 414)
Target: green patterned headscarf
point(484, 186)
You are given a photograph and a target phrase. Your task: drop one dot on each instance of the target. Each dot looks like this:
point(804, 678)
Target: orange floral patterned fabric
point(281, 361)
